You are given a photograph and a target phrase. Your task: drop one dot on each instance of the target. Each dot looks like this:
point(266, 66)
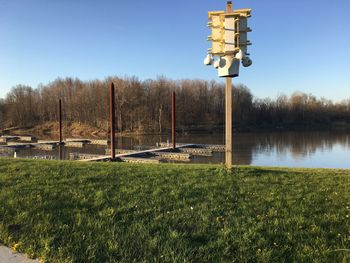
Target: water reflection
point(329, 149)
point(299, 144)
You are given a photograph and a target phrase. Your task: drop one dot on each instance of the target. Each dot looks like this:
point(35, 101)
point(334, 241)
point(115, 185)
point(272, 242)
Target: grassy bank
point(100, 212)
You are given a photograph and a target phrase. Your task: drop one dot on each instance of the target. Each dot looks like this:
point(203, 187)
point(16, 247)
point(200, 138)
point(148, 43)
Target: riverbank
point(107, 212)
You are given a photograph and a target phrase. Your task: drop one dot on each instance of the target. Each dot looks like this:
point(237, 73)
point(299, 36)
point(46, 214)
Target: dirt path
point(9, 256)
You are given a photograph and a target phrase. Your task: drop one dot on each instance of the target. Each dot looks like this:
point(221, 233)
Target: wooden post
point(60, 152)
point(173, 121)
point(228, 141)
point(228, 132)
point(60, 119)
point(112, 120)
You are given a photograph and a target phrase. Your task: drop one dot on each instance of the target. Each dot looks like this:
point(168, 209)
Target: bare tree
point(145, 106)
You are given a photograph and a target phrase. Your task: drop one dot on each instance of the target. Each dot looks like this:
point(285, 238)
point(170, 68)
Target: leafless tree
point(145, 106)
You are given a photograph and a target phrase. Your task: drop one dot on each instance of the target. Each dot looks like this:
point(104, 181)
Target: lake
point(314, 149)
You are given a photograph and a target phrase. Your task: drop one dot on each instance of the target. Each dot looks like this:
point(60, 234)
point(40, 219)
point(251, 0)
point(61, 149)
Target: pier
point(141, 153)
point(197, 147)
point(18, 142)
point(162, 152)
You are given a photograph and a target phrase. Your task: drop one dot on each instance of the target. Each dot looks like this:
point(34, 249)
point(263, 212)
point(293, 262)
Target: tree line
point(145, 106)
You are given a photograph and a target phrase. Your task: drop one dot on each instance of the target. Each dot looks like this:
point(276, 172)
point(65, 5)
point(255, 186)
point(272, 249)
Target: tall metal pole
point(228, 133)
point(173, 121)
point(112, 120)
point(60, 119)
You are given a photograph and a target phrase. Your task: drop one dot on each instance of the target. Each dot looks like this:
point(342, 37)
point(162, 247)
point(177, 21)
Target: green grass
point(111, 212)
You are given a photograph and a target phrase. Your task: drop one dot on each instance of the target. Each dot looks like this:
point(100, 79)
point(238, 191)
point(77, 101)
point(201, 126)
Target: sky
point(299, 45)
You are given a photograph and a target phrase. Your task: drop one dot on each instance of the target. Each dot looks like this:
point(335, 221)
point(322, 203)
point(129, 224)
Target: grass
point(105, 212)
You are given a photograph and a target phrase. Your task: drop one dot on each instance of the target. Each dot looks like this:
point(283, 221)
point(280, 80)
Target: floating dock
point(163, 152)
point(172, 156)
point(212, 147)
point(89, 141)
point(139, 160)
point(77, 144)
point(197, 151)
point(134, 153)
point(19, 142)
point(6, 139)
point(27, 138)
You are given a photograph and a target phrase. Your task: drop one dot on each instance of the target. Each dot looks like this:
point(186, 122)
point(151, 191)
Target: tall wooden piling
point(60, 129)
point(173, 121)
point(112, 120)
point(60, 119)
point(228, 128)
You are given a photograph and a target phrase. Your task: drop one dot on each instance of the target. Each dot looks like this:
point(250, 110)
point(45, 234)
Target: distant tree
point(2, 113)
point(146, 105)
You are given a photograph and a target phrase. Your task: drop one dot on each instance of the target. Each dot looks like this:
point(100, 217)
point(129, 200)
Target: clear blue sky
point(297, 45)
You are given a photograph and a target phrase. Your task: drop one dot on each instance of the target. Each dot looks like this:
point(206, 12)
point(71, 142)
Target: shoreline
point(78, 130)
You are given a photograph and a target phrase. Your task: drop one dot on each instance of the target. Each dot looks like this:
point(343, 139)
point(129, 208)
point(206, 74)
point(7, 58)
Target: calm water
point(326, 149)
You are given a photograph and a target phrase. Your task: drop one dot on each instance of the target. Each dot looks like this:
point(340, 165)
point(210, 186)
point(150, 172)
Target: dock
point(160, 155)
point(19, 142)
point(40, 145)
point(212, 147)
point(87, 157)
point(13, 142)
point(134, 153)
point(75, 144)
point(172, 156)
point(6, 139)
point(88, 141)
point(27, 138)
point(139, 160)
point(162, 152)
point(197, 151)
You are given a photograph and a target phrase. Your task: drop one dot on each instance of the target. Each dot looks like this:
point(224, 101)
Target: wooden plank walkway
point(79, 157)
point(131, 154)
point(212, 147)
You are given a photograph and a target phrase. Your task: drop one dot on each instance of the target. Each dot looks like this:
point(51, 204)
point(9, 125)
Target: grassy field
point(104, 212)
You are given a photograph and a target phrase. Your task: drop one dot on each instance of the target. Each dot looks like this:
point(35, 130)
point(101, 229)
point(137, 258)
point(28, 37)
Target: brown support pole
point(112, 120)
point(228, 134)
point(60, 129)
point(228, 141)
point(173, 120)
point(60, 119)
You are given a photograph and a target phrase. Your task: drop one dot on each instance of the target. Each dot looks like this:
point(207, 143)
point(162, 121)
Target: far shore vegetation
point(115, 212)
point(144, 107)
